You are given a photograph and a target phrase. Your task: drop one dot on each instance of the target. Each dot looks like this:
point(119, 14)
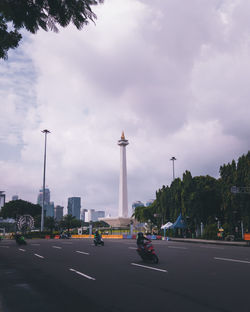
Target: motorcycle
point(64, 236)
point(98, 241)
point(20, 240)
point(148, 252)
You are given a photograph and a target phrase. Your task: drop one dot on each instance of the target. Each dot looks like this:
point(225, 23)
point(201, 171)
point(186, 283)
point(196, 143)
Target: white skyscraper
point(123, 192)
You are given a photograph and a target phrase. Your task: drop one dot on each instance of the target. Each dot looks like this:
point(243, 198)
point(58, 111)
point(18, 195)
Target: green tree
point(40, 14)
point(69, 222)
point(50, 223)
point(16, 208)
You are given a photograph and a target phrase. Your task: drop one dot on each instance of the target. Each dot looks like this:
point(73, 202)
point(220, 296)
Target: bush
point(210, 231)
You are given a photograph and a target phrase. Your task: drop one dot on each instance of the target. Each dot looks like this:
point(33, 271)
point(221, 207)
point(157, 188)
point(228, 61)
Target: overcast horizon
point(174, 75)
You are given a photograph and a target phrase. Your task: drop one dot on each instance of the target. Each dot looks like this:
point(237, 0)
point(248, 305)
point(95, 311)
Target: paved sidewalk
point(205, 241)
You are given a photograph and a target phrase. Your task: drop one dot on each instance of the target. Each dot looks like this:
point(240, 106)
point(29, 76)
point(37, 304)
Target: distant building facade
point(58, 213)
point(2, 199)
point(15, 197)
point(149, 202)
point(49, 210)
point(135, 204)
point(83, 211)
point(100, 214)
point(46, 197)
point(48, 205)
point(74, 207)
point(92, 215)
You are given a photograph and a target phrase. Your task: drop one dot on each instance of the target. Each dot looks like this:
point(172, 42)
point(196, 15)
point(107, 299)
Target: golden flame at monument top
point(123, 136)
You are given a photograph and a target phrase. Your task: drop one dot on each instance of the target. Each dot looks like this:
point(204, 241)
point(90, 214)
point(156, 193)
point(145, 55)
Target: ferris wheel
point(25, 222)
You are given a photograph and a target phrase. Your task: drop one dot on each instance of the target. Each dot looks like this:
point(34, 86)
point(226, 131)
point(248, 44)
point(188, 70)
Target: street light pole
point(44, 170)
point(173, 159)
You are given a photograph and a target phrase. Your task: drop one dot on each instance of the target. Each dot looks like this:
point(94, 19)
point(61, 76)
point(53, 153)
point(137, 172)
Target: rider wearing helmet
point(97, 236)
point(140, 240)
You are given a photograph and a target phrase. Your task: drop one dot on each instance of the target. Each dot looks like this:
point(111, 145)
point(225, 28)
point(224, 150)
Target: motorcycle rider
point(140, 240)
point(19, 238)
point(97, 236)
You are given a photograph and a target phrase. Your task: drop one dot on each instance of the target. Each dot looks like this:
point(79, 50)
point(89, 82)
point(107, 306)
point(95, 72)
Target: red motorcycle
point(148, 252)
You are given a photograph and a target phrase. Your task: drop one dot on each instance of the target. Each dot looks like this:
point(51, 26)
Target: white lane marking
point(82, 252)
point(84, 275)
point(132, 248)
point(5, 246)
point(148, 267)
point(39, 256)
point(57, 247)
point(210, 247)
point(21, 249)
point(232, 260)
point(177, 247)
point(35, 244)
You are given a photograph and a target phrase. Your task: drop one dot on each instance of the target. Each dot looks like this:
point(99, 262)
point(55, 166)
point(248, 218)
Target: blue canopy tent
point(180, 223)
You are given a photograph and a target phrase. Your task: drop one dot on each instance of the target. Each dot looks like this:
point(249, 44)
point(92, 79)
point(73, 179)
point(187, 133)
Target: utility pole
point(44, 171)
point(173, 159)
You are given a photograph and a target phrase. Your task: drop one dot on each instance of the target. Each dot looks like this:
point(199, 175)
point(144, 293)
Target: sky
point(173, 74)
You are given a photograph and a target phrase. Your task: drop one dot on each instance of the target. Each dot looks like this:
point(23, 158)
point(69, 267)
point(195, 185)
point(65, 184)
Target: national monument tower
point(123, 191)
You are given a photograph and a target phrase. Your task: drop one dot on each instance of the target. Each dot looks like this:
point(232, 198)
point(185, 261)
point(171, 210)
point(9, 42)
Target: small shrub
point(210, 231)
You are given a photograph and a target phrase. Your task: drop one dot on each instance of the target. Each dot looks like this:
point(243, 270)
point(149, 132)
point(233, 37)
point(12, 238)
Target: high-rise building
point(74, 206)
point(90, 215)
point(48, 205)
point(100, 214)
point(58, 213)
point(123, 192)
point(49, 210)
point(2, 199)
point(46, 197)
point(15, 197)
point(83, 211)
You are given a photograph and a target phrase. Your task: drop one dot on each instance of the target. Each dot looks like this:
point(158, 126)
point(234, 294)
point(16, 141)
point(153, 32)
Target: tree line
point(204, 199)
point(16, 208)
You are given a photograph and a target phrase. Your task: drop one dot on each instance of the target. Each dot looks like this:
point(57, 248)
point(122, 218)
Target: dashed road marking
point(21, 249)
point(232, 260)
point(57, 247)
point(132, 248)
point(211, 247)
point(82, 252)
point(39, 256)
point(148, 267)
point(177, 247)
point(82, 274)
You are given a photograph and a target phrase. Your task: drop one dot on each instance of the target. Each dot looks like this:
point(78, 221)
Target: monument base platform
point(117, 222)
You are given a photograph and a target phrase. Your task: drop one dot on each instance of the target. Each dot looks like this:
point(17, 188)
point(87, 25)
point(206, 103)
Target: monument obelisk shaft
point(123, 191)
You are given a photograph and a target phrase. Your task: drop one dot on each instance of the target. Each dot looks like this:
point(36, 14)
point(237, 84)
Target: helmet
point(140, 234)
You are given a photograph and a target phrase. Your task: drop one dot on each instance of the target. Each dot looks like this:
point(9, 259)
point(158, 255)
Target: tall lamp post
point(44, 170)
point(173, 159)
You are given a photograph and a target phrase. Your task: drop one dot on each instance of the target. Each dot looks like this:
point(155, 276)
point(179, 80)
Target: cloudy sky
point(173, 74)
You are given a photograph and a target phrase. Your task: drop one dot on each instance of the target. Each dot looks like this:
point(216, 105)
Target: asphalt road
point(64, 275)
